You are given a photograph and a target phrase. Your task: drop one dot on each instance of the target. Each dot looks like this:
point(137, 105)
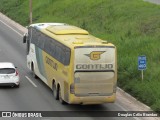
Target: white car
point(9, 75)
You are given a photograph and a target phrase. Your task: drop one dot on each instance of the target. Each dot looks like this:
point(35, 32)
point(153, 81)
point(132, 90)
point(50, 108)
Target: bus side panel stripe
point(40, 61)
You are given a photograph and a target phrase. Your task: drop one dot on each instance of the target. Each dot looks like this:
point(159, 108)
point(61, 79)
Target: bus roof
point(60, 28)
point(65, 30)
point(69, 35)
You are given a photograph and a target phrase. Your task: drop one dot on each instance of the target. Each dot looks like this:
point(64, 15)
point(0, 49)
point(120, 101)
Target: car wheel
point(17, 86)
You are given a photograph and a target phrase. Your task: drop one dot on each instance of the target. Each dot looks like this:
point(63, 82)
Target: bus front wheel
point(55, 91)
point(33, 72)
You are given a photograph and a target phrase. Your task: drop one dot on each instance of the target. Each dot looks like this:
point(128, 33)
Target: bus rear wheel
point(60, 97)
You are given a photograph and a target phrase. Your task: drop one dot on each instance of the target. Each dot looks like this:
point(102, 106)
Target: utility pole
point(30, 11)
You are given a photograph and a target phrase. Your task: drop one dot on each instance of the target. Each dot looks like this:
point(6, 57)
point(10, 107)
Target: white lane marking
point(136, 118)
point(31, 81)
point(11, 28)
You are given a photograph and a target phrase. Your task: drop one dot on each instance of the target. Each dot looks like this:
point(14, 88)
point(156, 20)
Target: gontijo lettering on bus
point(94, 66)
point(51, 63)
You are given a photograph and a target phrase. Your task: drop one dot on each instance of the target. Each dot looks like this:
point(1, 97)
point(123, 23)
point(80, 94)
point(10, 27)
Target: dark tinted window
point(7, 70)
point(57, 50)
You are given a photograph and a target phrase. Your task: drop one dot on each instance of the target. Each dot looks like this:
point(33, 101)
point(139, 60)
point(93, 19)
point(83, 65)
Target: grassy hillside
point(132, 25)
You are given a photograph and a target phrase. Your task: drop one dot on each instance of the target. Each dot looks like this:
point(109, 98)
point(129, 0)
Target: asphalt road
point(33, 94)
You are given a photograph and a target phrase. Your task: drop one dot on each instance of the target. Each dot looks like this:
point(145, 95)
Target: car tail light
point(16, 73)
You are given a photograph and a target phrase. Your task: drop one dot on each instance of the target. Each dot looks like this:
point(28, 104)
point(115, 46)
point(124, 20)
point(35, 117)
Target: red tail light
point(16, 73)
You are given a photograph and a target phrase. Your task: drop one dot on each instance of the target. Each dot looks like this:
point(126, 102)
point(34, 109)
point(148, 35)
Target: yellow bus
point(78, 67)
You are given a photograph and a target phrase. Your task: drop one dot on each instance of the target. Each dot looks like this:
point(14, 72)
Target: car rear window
point(7, 70)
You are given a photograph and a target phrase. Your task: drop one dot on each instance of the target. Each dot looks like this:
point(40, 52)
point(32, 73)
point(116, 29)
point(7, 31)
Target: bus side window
point(67, 57)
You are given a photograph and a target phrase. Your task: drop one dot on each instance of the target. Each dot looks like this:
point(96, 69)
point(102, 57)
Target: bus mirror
point(24, 38)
